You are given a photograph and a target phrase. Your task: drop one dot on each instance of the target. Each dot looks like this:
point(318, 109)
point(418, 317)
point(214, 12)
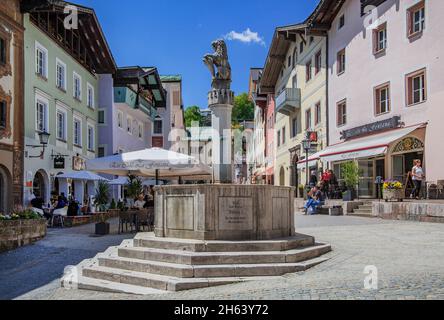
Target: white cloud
point(246, 36)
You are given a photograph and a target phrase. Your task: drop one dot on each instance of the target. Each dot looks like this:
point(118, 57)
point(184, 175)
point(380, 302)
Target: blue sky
point(174, 35)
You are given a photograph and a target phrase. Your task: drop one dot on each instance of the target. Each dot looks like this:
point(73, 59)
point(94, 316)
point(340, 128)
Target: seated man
point(315, 199)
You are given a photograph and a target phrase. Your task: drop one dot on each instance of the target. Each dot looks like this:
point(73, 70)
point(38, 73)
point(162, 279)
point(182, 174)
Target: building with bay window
point(295, 75)
point(61, 93)
point(11, 105)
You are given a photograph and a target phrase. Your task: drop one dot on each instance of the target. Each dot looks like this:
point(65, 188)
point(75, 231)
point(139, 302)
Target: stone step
point(206, 271)
point(148, 240)
point(92, 284)
point(363, 211)
point(99, 278)
point(211, 258)
point(148, 280)
point(369, 207)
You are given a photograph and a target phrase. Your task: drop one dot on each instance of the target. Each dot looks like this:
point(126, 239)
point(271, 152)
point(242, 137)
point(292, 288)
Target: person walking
point(417, 177)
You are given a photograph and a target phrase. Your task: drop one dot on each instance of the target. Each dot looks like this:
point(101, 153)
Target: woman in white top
point(417, 177)
point(139, 203)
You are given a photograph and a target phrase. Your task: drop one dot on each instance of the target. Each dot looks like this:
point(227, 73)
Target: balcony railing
point(288, 101)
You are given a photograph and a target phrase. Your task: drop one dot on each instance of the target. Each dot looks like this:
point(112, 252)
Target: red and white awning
point(366, 147)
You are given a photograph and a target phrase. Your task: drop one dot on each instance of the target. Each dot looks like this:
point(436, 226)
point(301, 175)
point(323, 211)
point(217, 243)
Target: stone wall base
point(18, 233)
point(410, 211)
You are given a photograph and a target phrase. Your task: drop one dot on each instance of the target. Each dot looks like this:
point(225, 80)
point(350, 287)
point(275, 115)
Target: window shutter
point(410, 91)
point(409, 22)
point(378, 101)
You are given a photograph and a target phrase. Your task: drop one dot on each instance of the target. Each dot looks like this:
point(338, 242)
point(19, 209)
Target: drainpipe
point(327, 97)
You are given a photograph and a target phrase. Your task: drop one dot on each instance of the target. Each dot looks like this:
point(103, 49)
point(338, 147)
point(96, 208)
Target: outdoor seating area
point(136, 220)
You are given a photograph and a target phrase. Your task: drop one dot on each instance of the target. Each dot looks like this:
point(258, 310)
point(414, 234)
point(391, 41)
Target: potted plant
point(301, 190)
point(350, 172)
point(101, 200)
point(134, 188)
point(393, 191)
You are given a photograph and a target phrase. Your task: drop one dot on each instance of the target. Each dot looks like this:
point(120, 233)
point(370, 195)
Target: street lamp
point(44, 139)
point(306, 145)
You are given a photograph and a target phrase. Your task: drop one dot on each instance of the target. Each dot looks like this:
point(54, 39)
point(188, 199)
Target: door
point(367, 179)
point(399, 168)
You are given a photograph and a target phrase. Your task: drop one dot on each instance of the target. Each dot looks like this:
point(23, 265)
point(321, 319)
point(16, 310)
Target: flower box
point(393, 195)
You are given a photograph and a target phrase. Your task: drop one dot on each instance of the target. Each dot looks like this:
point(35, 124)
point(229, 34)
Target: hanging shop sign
point(59, 163)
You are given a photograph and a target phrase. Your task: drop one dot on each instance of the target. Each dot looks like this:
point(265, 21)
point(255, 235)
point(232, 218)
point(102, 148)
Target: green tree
point(243, 109)
point(192, 114)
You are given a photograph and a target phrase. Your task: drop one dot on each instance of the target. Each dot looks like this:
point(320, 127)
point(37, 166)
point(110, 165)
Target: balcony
point(288, 101)
point(130, 98)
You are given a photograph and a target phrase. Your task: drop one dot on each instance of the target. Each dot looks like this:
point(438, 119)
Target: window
point(90, 96)
point(341, 62)
point(301, 47)
point(341, 22)
point(3, 49)
point(380, 39)
point(77, 87)
point(91, 138)
point(3, 117)
point(60, 75)
point(312, 39)
point(140, 130)
point(77, 132)
point(416, 19)
point(382, 99)
point(318, 113)
point(41, 115)
point(41, 55)
point(341, 113)
point(318, 62)
point(294, 127)
point(279, 138)
point(61, 125)
point(308, 71)
point(101, 152)
point(289, 61)
point(308, 119)
point(158, 124)
point(283, 135)
point(295, 55)
point(129, 123)
point(101, 117)
point(120, 119)
point(416, 87)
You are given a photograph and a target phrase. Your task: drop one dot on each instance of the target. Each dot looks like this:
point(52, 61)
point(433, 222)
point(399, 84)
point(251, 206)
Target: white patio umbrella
point(82, 175)
point(155, 162)
point(120, 181)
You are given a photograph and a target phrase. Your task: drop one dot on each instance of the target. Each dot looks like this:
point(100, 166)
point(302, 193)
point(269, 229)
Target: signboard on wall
point(78, 164)
point(391, 123)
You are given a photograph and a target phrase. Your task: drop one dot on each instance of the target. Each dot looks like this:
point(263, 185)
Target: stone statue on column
point(220, 102)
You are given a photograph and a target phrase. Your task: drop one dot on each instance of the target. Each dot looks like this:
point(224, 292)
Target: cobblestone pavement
point(408, 255)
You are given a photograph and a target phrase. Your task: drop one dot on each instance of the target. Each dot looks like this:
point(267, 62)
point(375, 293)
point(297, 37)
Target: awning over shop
point(366, 147)
point(312, 161)
point(81, 175)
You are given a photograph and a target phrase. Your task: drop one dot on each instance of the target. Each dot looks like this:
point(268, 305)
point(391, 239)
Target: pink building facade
point(386, 89)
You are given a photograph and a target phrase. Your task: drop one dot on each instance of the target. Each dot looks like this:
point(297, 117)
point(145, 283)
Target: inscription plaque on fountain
point(235, 213)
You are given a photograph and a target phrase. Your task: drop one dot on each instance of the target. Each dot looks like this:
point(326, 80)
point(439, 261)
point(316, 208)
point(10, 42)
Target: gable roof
point(91, 48)
point(318, 23)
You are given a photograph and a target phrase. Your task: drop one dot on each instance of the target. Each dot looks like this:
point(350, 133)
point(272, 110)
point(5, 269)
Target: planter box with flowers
point(20, 228)
point(393, 191)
